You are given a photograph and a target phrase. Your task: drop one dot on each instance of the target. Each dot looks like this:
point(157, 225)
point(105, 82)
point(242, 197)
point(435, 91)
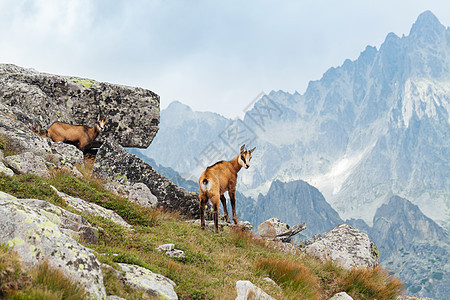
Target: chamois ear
point(252, 150)
point(242, 148)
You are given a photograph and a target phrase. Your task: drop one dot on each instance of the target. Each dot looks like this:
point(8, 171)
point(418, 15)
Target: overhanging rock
point(39, 99)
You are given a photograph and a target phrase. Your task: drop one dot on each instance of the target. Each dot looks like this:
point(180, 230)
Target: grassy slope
point(213, 263)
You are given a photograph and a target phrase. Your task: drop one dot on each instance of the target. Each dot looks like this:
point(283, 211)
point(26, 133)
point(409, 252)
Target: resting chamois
point(81, 136)
point(216, 180)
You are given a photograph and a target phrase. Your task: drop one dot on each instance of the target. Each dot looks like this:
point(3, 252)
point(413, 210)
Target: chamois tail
point(205, 186)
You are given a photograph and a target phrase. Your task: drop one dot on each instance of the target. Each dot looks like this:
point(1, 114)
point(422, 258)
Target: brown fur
point(79, 135)
point(220, 178)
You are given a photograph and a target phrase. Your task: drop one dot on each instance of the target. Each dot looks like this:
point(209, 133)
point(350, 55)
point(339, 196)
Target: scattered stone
point(166, 247)
point(114, 163)
point(347, 246)
point(154, 284)
point(341, 296)
point(5, 170)
point(247, 290)
point(170, 251)
point(92, 209)
point(270, 228)
point(27, 163)
point(34, 233)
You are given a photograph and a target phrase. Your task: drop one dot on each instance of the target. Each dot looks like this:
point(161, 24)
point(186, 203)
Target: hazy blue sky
point(211, 55)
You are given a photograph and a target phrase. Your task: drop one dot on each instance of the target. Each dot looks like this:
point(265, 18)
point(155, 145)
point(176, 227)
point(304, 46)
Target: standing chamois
point(216, 180)
point(81, 136)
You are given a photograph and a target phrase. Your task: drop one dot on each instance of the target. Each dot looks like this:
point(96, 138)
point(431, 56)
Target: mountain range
point(368, 129)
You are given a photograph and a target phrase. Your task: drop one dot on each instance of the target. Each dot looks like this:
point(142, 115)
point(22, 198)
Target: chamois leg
point(233, 206)
point(203, 201)
point(225, 211)
point(216, 202)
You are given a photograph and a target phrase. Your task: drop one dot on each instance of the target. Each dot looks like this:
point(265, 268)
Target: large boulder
point(39, 99)
point(34, 230)
point(114, 163)
point(347, 246)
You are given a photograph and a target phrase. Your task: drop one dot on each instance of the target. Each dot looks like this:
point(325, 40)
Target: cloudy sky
point(212, 55)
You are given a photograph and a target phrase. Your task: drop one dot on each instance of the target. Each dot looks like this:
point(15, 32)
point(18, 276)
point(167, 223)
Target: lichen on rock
point(32, 228)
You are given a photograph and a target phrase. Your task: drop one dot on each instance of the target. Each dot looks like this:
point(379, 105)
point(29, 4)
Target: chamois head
point(245, 157)
point(101, 121)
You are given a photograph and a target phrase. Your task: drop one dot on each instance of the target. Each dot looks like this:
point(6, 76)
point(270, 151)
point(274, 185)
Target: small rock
point(5, 170)
point(155, 284)
point(341, 296)
point(27, 163)
point(247, 290)
point(170, 251)
point(140, 193)
point(166, 247)
point(269, 229)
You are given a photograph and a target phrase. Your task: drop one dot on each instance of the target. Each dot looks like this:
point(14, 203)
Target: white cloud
point(211, 55)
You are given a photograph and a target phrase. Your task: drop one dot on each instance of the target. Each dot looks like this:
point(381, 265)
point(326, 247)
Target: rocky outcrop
point(346, 246)
point(113, 163)
point(37, 100)
point(36, 231)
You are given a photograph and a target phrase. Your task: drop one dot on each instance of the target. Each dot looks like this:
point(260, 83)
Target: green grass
point(213, 262)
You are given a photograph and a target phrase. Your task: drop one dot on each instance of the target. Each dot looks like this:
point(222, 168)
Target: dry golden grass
point(371, 284)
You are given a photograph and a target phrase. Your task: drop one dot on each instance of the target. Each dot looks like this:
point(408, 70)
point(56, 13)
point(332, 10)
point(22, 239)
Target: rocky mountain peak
point(427, 23)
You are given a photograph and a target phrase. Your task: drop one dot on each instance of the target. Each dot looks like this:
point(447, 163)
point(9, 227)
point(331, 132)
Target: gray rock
point(27, 163)
point(347, 246)
point(5, 170)
point(66, 155)
point(35, 235)
point(247, 290)
point(140, 193)
point(341, 296)
point(72, 224)
point(21, 138)
point(155, 285)
point(271, 228)
point(92, 209)
point(170, 251)
point(113, 163)
point(166, 247)
point(39, 99)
